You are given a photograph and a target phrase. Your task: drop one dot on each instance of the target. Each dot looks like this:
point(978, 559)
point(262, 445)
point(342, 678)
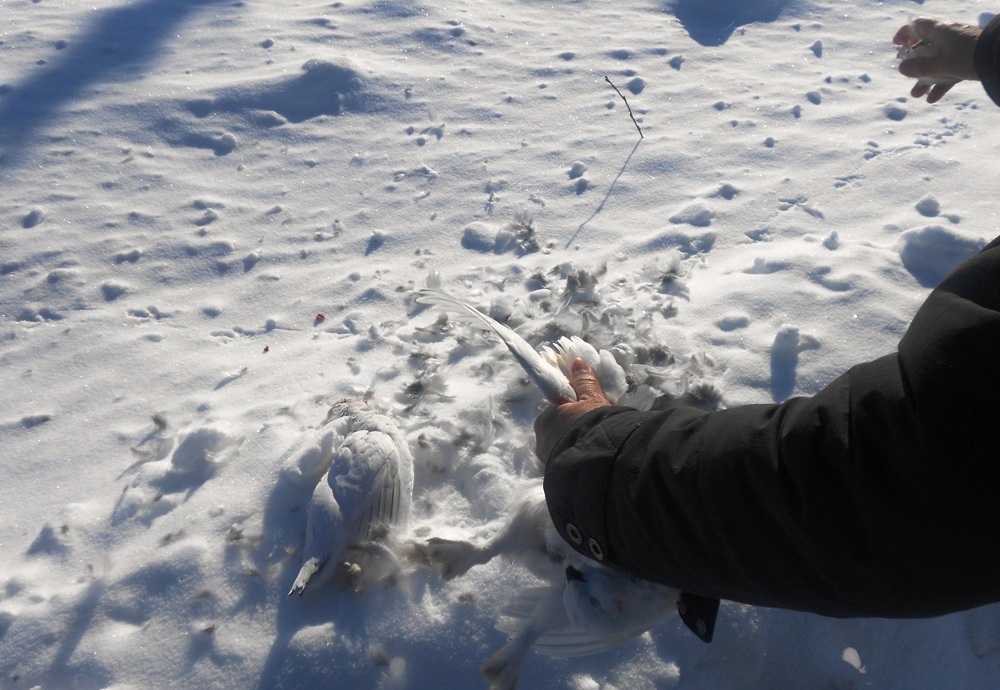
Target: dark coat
point(878, 496)
point(987, 59)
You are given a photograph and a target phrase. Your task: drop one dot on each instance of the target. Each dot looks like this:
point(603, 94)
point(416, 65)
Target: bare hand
point(943, 55)
point(553, 423)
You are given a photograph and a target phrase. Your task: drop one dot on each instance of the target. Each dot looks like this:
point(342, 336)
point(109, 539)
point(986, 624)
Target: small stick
point(627, 106)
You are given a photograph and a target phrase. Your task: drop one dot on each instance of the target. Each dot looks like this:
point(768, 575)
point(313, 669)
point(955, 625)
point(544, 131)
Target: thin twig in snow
point(627, 106)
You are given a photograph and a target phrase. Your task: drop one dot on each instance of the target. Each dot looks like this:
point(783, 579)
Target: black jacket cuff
point(578, 474)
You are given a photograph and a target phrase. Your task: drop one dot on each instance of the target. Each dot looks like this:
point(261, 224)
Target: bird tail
point(561, 354)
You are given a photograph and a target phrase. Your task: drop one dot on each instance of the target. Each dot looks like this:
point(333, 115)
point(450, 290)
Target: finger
point(937, 92)
point(904, 36)
point(920, 89)
point(584, 381)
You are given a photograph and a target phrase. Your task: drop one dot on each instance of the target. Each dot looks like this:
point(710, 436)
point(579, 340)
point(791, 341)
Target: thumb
point(584, 381)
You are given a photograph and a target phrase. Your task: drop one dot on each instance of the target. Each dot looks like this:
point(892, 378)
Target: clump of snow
point(895, 111)
point(928, 206)
point(576, 170)
point(695, 214)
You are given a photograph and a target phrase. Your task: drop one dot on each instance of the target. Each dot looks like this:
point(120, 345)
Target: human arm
point(724, 504)
point(875, 497)
point(768, 505)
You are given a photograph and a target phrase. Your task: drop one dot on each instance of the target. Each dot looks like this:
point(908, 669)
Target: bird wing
point(549, 379)
point(366, 480)
point(570, 641)
point(367, 420)
point(324, 539)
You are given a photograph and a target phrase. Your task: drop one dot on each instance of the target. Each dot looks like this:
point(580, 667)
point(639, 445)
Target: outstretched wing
point(569, 641)
point(553, 384)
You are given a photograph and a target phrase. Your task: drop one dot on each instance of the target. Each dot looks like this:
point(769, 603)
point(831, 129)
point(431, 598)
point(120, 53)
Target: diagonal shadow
point(117, 46)
point(600, 206)
point(76, 627)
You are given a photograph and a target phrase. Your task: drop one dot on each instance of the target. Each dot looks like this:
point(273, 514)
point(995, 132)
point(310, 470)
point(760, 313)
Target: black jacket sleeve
point(879, 496)
point(987, 59)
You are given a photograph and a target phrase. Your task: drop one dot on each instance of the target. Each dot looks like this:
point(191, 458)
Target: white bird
point(549, 369)
point(367, 491)
point(585, 608)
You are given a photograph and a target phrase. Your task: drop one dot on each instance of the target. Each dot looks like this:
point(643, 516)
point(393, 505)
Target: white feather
point(503, 668)
point(570, 639)
point(564, 351)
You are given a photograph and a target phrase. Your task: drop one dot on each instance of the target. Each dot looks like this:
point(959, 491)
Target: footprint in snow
point(321, 88)
point(931, 252)
point(695, 214)
point(170, 466)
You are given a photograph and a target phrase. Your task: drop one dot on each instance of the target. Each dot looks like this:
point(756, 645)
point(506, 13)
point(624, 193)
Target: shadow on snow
point(712, 22)
point(118, 46)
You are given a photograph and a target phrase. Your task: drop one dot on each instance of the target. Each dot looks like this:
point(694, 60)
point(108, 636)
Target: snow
point(215, 217)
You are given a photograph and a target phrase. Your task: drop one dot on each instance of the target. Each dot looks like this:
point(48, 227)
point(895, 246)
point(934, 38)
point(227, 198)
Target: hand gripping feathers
point(549, 369)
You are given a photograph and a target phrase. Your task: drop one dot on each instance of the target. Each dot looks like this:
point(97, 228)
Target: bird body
point(367, 490)
point(585, 608)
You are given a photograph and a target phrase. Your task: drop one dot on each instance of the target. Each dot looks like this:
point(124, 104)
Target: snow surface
point(214, 218)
